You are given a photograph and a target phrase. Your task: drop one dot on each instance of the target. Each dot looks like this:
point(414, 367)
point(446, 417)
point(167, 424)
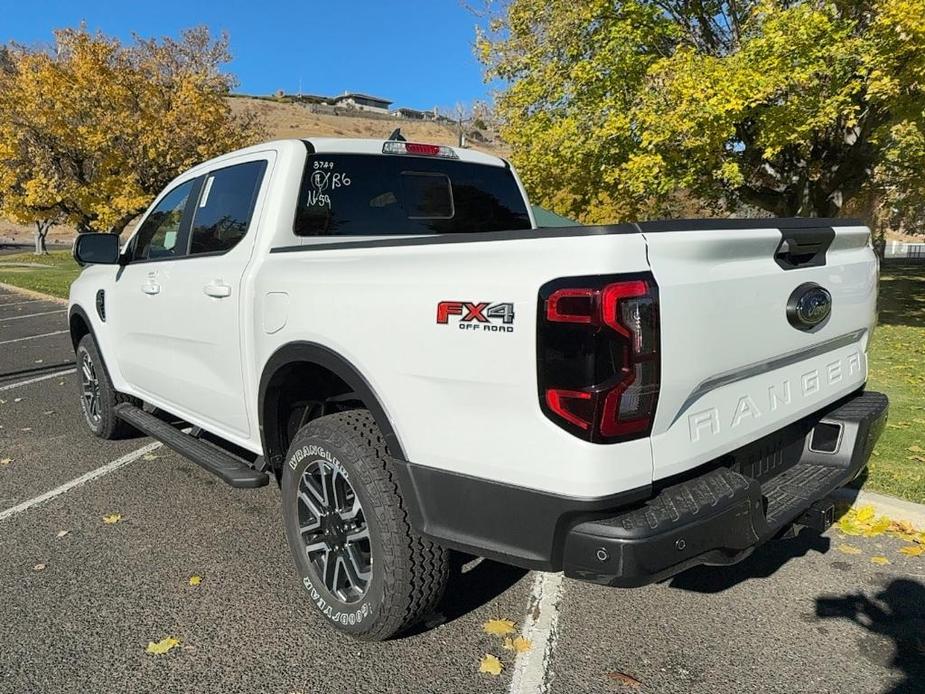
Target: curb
point(34, 294)
point(889, 506)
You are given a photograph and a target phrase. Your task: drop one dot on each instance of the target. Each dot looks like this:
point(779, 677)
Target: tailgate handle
point(803, 247)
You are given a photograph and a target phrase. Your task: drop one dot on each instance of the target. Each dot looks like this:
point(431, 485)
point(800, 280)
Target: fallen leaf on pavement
point(195, 580)
point(112, 518)
point(879, 560)
point(26, 429)
point(47, 412)
point(849, 526)
point(38, 567)
point(149, 456)
point(17, 399)
point(864, 514)
point(906, 531)
point(878, 527)
point(161, 646)
point(499, 627)
point(623, 678)
point(848, 549)
point(5, 461)
point(903, 527)
point(490, 665)
point(912, 550)
point(518, 644)
point(62, 533)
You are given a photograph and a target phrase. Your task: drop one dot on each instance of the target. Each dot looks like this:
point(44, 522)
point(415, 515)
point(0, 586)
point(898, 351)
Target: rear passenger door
point(201, 299)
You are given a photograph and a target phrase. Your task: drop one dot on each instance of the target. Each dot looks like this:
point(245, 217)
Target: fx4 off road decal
point(477, 315)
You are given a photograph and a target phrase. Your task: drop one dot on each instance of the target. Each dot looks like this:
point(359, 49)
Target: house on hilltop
point(414, 114)
point(362, 102)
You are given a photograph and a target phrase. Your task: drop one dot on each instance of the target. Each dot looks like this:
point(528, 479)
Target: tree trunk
point(805, 199)
point(41, 231)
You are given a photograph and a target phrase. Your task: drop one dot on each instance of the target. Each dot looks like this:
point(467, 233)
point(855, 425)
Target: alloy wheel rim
point(334, 531)
point(90, 389)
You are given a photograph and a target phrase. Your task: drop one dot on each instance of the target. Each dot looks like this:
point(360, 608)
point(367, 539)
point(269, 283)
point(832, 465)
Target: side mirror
point(97, 249)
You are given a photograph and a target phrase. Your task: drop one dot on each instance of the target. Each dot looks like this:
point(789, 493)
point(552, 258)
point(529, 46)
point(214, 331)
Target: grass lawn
point(54, 277)
point(897, 363)
point(897, 368)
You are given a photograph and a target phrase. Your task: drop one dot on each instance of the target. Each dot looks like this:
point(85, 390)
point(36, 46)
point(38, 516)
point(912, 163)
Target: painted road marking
point(541, 626)
point(34, 315)
point(36, 379)
point(33, 337)
point(78, 481)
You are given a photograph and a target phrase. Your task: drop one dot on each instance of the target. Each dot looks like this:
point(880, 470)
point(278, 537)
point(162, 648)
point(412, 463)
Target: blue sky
point(416, 52)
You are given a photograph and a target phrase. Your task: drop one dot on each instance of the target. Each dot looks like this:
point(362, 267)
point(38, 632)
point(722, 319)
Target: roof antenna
point(396, 135)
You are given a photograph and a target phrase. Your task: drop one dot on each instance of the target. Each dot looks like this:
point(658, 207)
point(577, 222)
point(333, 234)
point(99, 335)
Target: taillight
point(598, 361)
point(419, 149)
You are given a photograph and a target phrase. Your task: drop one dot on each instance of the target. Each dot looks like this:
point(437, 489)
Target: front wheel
point(98, 398)
point(364, 568)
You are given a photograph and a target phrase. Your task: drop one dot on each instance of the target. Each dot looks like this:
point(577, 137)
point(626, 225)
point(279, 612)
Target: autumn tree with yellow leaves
point(91, 130)
point(621, 108)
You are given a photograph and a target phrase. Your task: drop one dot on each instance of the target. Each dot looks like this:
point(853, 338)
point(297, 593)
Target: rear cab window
point(383, 195)
point(226, 205)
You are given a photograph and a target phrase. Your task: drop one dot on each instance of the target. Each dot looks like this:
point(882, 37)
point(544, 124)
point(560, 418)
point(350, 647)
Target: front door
point(136, 306)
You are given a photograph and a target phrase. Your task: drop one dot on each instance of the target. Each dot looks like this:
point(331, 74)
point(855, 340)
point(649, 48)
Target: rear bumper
point(720, 516)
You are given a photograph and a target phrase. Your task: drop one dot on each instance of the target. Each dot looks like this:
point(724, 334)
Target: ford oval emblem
point(809, 306)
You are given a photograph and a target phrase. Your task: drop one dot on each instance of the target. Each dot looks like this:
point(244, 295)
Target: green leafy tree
point(619, 109)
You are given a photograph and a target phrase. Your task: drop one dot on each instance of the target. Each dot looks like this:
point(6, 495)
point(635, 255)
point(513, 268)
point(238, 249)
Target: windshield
point(373, 195)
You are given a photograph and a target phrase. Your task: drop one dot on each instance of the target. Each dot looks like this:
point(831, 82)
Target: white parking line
point(83, 479)
point(32, 337)
point(36, 379)
point(33, 315)
point(541, 626)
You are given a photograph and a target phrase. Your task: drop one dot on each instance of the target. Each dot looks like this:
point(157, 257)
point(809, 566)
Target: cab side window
point(160, 234)
point(225, 207)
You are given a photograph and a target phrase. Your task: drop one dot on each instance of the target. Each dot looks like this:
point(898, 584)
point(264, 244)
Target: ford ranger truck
point(381, 328)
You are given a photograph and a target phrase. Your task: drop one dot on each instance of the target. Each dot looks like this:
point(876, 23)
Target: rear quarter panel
point(459, 399)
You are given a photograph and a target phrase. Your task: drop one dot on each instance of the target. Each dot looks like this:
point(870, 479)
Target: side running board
point(231, 469)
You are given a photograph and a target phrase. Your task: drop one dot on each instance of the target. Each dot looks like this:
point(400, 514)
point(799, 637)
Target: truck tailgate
point(734, 365)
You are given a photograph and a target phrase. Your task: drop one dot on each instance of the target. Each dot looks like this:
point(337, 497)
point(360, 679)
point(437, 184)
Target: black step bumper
point(720, 516)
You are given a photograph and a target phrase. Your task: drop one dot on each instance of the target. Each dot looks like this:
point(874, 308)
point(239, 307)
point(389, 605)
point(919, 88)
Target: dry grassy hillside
point(285, 120)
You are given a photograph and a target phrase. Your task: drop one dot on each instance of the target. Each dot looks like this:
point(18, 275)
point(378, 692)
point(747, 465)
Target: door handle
point(219, 290)
point(151, 288)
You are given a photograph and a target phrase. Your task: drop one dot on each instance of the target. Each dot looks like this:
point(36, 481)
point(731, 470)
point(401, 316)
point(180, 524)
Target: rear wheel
point(365, 569)
point(98, 398)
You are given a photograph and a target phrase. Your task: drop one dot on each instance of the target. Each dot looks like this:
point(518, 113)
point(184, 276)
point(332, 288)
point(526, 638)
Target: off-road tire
point(103, 421)
point(408, 573)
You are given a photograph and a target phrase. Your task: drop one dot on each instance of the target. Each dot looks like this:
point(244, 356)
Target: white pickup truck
point(381, 328)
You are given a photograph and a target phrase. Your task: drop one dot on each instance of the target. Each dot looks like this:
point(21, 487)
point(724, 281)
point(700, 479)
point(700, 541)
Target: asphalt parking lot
point(798, 616)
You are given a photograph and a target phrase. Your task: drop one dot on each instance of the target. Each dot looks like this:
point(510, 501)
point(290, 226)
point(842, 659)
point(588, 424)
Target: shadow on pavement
point(898, 614)
point(473, 583)
point(764, 562)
